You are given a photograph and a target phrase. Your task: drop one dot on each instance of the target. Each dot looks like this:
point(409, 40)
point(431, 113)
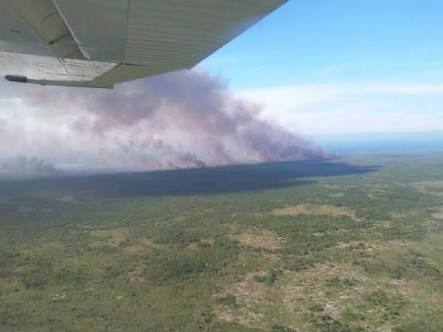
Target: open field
point(348, 245)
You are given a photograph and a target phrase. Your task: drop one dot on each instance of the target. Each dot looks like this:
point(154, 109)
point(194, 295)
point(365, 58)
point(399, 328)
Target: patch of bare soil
point(429, 187)
point(311, 283)
point(356, 245)
point(332, 310)
point(137, 275)
point(141, 247)
point(111, 237)
point(249, 289)
point(432, 184)
point(246, 318)
point(438, 214)
point(247, 293)
point(320, 210)
point(260, 239)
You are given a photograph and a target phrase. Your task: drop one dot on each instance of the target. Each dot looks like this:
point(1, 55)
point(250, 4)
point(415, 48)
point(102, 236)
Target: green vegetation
point(268, 278)
point(354, 245)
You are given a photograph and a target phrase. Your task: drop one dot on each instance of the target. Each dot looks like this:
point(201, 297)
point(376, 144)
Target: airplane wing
point(97, 43)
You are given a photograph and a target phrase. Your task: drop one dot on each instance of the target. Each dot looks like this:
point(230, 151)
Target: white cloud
point(353, 108)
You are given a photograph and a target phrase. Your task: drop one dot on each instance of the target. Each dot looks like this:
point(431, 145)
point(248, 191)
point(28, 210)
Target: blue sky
point(380, 60)
point(308, 41)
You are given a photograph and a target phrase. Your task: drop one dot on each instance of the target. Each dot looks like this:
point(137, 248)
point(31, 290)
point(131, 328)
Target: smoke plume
point(28, 166)
point(182, 119)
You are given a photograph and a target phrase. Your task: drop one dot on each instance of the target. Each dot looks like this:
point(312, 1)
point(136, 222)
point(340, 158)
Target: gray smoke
point(183, 119)
point(23, 165)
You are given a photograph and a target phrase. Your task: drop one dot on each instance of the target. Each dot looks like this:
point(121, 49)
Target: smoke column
point(182, 119)
point(28, 166)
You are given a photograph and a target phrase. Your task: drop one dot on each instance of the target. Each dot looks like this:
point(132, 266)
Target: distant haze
point(22, 165)
point(183, 119)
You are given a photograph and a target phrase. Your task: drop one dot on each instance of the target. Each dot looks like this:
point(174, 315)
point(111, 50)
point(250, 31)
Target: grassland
point(349, 245)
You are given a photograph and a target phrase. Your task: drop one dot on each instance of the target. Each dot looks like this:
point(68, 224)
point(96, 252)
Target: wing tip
point(16, 78)
point(78, 84)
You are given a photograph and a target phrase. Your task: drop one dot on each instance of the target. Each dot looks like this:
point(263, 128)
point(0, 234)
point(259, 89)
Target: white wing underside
point(96, 43)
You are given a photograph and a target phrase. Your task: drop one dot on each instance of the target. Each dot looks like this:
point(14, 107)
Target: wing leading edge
point(97, 43)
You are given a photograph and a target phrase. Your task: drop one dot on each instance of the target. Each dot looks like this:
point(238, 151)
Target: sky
point(342, 67)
